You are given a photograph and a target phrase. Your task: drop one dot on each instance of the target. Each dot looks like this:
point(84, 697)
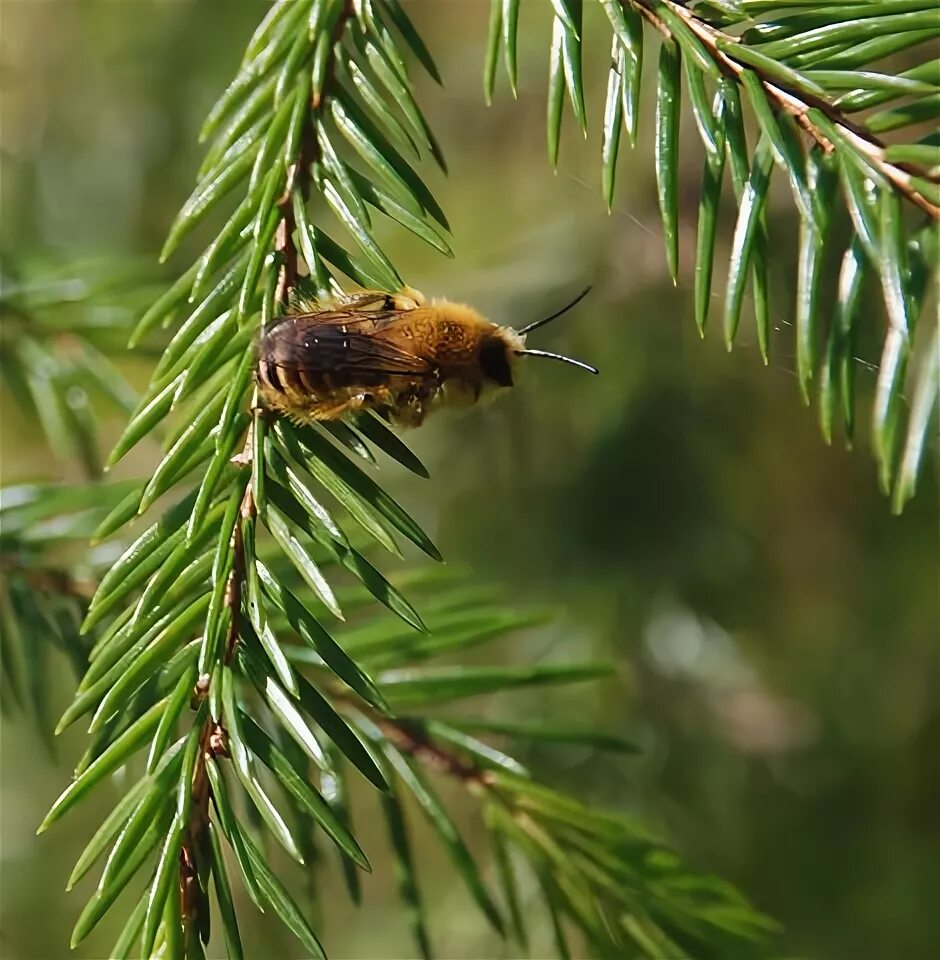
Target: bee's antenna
point(555, 316)
point(558, 356)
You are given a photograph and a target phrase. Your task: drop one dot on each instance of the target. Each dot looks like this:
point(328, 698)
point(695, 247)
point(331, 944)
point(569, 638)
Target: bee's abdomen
point(268, 376)
point(284, 368)
point(290, 378)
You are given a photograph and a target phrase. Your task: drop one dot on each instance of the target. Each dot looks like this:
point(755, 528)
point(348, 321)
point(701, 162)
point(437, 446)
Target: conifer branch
point(798, 101)
point(811, 79)
point(219, 637)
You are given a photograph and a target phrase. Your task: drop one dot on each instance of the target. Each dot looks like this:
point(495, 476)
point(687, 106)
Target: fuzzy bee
point(394, 353)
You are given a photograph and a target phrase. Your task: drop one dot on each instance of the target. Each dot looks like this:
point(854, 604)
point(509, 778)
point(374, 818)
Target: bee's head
point(516, 341)
point(498, 354)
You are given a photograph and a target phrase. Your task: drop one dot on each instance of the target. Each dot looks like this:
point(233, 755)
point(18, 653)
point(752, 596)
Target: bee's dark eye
point(495, 363)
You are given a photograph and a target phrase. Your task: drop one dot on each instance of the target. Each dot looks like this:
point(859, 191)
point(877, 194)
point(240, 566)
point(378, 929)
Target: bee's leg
point(411, 408)
point(382, 397)
point(361, 401)
point(416, 413)
point(408, 299)
point(382, 400)
point(334, 411)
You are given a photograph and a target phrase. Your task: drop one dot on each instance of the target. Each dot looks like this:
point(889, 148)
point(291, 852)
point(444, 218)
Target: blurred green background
point(774, 627)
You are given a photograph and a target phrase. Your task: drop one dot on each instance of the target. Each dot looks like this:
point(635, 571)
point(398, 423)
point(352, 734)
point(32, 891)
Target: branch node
point(200, 690)
point(218, 741)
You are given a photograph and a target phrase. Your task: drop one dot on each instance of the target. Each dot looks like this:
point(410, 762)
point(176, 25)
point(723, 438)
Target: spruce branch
point(796, 96)
point(617, 900)
point(221, 643)
point(810, 78)
point(58, 351)
point(217, 639)
point(213, 740)
point(432, 743)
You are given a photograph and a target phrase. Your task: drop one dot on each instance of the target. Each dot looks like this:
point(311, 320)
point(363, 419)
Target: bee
point(395, 353)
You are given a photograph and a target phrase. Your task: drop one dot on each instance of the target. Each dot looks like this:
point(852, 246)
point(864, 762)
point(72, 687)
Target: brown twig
point(298, 174)
point(284, 238)
point(213, 742)
point(795, 102)
point(214, 738)
point(411, 738)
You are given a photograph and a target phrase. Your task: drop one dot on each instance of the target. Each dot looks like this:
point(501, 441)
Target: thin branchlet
point(411, 739)
point(415, 742)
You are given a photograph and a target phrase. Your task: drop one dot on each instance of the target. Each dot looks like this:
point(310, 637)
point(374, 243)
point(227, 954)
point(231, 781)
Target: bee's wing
point(376, 300)
point(359, 300)
point(343, 342)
